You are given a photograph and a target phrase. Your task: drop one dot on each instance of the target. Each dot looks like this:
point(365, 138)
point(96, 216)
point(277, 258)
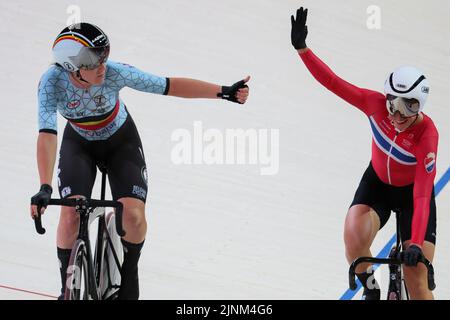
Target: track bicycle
point(93, 276)
point(397, 287)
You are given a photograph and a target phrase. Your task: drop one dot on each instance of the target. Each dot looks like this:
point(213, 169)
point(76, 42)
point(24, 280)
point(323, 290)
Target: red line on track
point(28, 291)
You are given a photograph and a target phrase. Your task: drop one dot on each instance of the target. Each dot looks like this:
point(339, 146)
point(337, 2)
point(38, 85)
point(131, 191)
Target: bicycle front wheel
point(112, 261)
point(77, 284)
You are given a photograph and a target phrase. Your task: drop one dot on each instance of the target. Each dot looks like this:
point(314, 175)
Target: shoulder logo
point(430, 162)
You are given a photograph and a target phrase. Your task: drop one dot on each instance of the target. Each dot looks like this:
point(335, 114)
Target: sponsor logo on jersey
point(66, 191)
point(144, 174)
point(430, 162)
point(100, 100)
point(73, 104)
point(385, 126)
point(139, 191)
point(406, 143)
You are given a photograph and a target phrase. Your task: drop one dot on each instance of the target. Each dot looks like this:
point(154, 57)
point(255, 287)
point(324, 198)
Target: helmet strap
point(78, 75)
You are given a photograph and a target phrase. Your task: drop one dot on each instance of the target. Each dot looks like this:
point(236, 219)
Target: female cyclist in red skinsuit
point(401, 173)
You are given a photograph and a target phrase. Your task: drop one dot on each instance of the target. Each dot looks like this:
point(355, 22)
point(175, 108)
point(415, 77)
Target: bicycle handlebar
point(81, 203)
point(399, 260)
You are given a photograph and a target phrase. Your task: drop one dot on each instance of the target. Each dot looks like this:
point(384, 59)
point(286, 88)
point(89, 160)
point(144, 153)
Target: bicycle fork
point(396, 288)
point(395, 278)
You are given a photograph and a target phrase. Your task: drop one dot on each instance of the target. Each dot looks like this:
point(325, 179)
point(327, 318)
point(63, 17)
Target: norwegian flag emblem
point(430, 162)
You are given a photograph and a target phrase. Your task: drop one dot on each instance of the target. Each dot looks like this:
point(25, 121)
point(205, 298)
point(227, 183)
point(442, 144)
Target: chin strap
point(79, 77)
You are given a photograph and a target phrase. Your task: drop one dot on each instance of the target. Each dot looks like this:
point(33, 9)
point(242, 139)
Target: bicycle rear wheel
point(77, 284)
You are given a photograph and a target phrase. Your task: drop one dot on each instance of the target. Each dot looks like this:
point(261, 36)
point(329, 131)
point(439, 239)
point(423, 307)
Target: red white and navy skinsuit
point(398, 158)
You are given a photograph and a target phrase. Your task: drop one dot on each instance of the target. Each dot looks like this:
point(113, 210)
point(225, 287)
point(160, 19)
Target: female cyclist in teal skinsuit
point(83, 86)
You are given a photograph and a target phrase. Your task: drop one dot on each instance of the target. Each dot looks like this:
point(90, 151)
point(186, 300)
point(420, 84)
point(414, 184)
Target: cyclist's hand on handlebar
point(42, 198)
point(412, 255)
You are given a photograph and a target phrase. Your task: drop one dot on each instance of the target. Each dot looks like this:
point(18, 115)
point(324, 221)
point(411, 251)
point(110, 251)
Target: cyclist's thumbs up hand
point(41, 199)
point(237, 93)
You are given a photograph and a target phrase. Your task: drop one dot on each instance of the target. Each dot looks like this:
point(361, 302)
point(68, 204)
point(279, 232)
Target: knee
point(352, 229)
point(134, 216)
point(358, 228)
point(351, 234)
point(416, 280)
point(69, 219)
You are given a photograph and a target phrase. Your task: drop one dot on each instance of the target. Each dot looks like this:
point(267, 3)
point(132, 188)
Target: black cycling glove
point(299, 29)
point(229, 93)
point(42, 198)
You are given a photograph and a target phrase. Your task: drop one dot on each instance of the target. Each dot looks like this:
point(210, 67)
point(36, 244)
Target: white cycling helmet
point(406, 91)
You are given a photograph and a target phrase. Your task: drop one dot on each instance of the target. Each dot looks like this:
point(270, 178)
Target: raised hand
point(299, 30)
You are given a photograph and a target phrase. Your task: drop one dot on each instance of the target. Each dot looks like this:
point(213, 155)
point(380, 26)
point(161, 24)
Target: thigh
point(127, 169)
point(76, 169)
point(371, 192)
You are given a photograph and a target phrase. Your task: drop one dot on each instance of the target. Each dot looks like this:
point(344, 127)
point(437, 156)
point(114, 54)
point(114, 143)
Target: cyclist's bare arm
point(46, 157)
point(191, 88)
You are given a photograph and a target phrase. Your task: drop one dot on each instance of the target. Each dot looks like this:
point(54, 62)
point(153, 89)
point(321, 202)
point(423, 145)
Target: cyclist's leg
point(368, 213)
point(361, 226)
point(134, 221)
point(68, 224)
point(416, 277)
point(136, 227)
point(76, 176)
point(366, 216)
point(127, 172)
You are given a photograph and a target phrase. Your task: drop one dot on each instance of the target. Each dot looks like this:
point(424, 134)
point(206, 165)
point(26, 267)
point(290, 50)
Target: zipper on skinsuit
point(389, 157)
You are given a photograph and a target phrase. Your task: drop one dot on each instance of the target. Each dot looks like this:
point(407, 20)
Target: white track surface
point(226, 232)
